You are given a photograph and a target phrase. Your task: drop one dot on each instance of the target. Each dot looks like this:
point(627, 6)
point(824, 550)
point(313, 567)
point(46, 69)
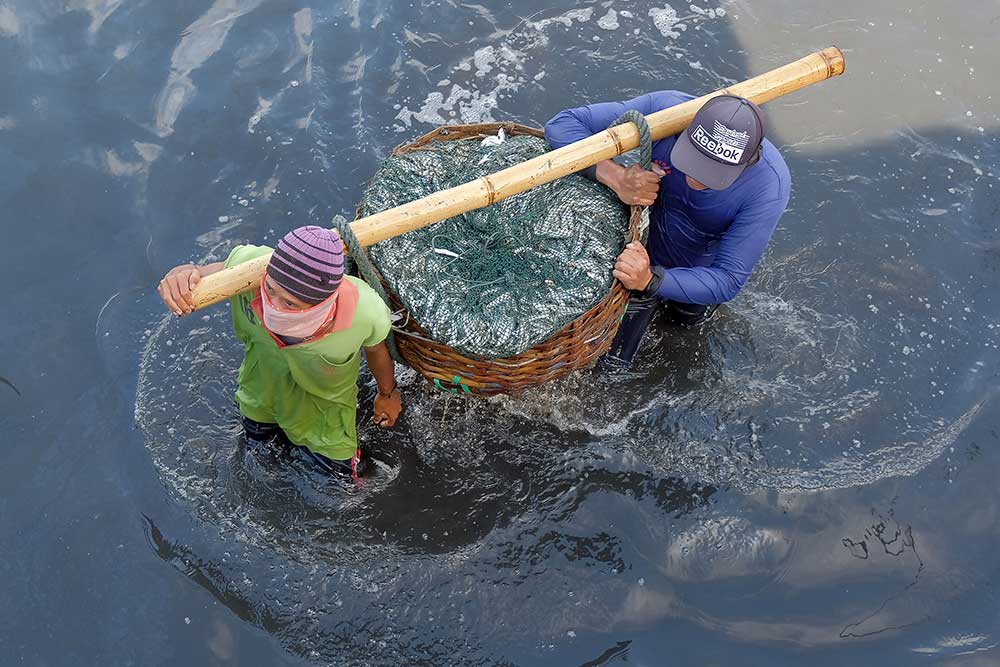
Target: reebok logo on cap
point(722, 140)
point(723, 143)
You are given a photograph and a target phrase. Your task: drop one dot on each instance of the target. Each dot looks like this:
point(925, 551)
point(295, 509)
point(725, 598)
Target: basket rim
point(414, 338)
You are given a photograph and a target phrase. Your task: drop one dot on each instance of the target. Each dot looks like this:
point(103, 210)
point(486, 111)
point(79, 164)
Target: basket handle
point(359, 255)
point(640, 230)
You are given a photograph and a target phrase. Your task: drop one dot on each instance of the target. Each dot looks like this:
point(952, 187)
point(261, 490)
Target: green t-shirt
point(310, 389)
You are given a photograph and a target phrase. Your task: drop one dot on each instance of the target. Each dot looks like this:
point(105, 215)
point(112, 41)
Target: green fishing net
point(496, 281)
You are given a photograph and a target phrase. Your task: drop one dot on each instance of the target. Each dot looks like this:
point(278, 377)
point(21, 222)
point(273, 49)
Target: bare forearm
point(382, 367)
point(388, 402)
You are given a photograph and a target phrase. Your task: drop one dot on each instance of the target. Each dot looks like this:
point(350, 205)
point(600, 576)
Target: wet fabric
point(271, 435)
point(637, 318)
point(310, 388)
point(708, 241)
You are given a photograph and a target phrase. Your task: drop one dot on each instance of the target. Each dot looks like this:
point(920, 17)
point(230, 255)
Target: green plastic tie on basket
point(456, 384)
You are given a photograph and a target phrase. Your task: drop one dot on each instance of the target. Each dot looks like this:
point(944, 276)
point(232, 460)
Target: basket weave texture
point(577, 345)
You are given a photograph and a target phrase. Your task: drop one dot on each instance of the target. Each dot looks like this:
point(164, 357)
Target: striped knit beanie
point(309, 263)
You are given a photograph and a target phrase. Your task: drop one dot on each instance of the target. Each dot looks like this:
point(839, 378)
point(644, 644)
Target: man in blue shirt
point(716, 193)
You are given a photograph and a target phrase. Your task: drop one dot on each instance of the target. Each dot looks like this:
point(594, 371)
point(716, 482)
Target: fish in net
point(496, 281)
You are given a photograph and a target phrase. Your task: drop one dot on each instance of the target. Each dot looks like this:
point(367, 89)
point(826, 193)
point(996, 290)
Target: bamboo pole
point(487, 190)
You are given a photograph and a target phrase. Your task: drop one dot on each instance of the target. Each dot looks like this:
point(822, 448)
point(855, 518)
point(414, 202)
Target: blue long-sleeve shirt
point(707, 241)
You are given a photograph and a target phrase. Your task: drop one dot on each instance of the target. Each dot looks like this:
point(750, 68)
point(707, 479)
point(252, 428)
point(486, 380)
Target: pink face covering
point(296, 323)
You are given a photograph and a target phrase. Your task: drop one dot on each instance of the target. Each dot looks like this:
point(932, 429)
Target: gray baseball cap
point(721, 141)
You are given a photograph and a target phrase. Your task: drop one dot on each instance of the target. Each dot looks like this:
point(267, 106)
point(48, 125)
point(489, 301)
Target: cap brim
point(691, 162)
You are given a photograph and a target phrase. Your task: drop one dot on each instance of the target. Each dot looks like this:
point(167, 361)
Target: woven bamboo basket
point(577, 345)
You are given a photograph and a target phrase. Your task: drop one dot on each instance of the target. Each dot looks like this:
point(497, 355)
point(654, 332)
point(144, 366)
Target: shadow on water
point(805, 472)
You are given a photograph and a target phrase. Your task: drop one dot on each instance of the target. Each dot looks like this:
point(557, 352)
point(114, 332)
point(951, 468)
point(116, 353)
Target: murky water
point(809, 478)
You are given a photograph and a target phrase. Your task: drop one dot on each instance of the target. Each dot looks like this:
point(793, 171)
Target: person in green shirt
point(303, 329)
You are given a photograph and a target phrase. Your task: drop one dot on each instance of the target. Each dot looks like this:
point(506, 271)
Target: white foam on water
point(568, 406)
point(501, 65)
point(667, 22)
point(480, 82)
point(609, 21)
point(566, 19)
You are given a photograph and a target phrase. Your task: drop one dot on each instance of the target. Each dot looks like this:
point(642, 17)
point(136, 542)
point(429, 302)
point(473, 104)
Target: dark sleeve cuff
point(654, 283)
point(590, 172)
